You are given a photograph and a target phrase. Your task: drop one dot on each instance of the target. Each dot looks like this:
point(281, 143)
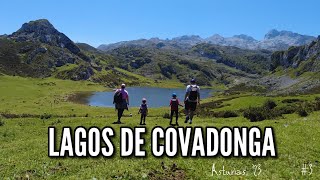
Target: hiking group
point(191, 100)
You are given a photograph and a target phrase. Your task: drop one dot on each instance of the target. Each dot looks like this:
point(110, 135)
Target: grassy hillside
point(182, 65)
point(23, 136)
point(250, 61)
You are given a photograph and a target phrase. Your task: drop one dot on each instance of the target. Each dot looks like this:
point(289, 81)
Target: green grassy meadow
point(29, 106)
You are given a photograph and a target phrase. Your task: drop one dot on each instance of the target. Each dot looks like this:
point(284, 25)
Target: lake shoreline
point(156, 96)
point(80, 97)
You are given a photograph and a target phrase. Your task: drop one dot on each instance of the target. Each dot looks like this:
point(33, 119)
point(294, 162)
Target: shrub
point(267, 111)
point(261, 113)
point(255, 114)
point(291, 100)
point(2, 122)
point(9, 115)
point(45, 116)
point(317, 105)
point(287, 110)
point(302, 112)
point(270, 104)
point(225, 114)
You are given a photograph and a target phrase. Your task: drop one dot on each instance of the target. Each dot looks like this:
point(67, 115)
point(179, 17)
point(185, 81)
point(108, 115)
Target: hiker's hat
point(123, 85)
point(144, 100)
point(174, 95)
point(193, 81)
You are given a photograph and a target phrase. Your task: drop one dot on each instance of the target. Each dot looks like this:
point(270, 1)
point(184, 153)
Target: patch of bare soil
point(172, 172)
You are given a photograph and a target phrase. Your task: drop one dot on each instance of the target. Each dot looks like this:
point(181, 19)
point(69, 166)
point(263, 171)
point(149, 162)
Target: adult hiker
point(192, 98)
point(121, 101)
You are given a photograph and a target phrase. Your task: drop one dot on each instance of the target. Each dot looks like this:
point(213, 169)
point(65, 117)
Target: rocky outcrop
point(250, 61)
point(282, 40)
point(43, 31)
point(240, 41)
point(81, 72)
point(295, 55)
point(40, 50)
point(189, 40)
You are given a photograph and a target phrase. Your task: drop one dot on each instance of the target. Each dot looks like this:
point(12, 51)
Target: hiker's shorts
point(122, 105)
point(190, 105)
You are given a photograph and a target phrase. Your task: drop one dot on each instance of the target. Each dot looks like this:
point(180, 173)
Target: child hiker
point(144, 111)
point(174, 103)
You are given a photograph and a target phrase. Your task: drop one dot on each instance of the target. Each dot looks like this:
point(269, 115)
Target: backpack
point(193, 94)
point(117, 98)
point(174, 104)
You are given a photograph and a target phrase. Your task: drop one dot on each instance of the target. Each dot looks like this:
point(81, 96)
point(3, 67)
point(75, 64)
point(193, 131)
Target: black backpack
point(117, 98)
point(193, 94)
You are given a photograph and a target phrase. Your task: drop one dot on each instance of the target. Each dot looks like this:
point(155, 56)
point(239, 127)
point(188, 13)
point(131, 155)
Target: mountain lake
point(156, 97)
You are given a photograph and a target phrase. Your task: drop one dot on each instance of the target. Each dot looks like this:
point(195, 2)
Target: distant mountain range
point(39, 50)
point(274, 40)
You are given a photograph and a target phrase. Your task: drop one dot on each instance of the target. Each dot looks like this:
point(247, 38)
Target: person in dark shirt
point(121, 101)
point(143, 111)
point(174, 104)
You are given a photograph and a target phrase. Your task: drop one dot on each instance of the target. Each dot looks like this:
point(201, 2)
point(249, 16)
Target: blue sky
point(98, 22)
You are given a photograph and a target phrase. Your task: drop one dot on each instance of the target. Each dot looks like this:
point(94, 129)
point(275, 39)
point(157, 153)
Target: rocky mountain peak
point(187, 37)
point(271, 34)
point(41, 26)
point(275, 33)
point(244, 37)
point(44, 32)
point(215, 37)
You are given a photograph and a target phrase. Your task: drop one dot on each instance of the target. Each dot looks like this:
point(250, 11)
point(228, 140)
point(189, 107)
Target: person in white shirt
point(191, 99)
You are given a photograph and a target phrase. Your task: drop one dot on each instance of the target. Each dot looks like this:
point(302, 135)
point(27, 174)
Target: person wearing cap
point(143, 111)
point(191, 99)
point(123, 104)
point(174, 104)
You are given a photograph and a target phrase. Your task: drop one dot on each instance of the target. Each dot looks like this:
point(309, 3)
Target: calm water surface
point(156, 97)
